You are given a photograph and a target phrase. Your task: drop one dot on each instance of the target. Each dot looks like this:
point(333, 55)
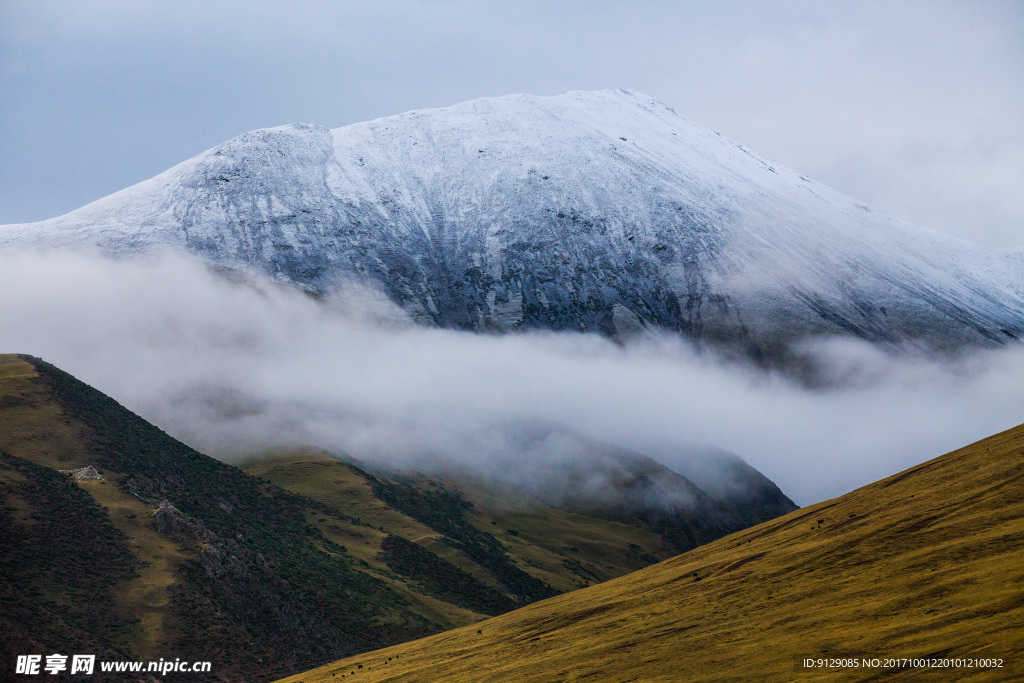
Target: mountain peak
point(598, 211)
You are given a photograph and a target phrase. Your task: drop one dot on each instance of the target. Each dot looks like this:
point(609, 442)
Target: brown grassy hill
point(231, 570)
point(298, 561)
point(563, 549)
point(502, 536)
point(928, 563)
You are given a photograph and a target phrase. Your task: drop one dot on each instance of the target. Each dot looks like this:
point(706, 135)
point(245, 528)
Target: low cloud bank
point(236, 368)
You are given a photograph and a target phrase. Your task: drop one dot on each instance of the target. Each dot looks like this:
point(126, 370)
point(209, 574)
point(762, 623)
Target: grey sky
point(913, 107)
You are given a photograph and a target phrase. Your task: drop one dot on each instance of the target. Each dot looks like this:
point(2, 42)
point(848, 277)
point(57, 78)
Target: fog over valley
point(463, 340)
point(235, 366)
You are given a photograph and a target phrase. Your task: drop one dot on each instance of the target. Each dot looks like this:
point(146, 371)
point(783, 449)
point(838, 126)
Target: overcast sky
point(916, 108)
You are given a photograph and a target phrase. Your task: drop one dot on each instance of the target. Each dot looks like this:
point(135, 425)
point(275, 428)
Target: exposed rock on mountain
point(603, 211)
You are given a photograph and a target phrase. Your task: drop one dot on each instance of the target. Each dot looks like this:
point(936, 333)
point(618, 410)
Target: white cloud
point(233, 368)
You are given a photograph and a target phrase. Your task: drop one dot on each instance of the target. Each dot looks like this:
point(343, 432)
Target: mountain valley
point(299, 558)
point(922, 565)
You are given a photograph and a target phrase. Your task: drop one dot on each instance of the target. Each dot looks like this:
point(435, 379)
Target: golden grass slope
point(32, 426)
point(928, 563)
point(565, 549)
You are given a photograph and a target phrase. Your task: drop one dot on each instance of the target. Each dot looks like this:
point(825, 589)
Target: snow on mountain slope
point(602, 211)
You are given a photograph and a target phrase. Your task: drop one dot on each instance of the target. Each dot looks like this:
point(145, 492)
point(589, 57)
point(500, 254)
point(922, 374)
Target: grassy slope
point(146, 595)
point(566, 550)
point(275, 593)
point(32, 425)
point(161, 602)
point(926, 563)
point(62, 562)
point(361, 524)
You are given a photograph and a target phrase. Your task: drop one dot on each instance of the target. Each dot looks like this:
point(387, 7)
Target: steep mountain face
point(602, 211)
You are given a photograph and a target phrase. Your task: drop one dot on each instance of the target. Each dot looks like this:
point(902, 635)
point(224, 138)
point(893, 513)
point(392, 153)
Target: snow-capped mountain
point(602, 211)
